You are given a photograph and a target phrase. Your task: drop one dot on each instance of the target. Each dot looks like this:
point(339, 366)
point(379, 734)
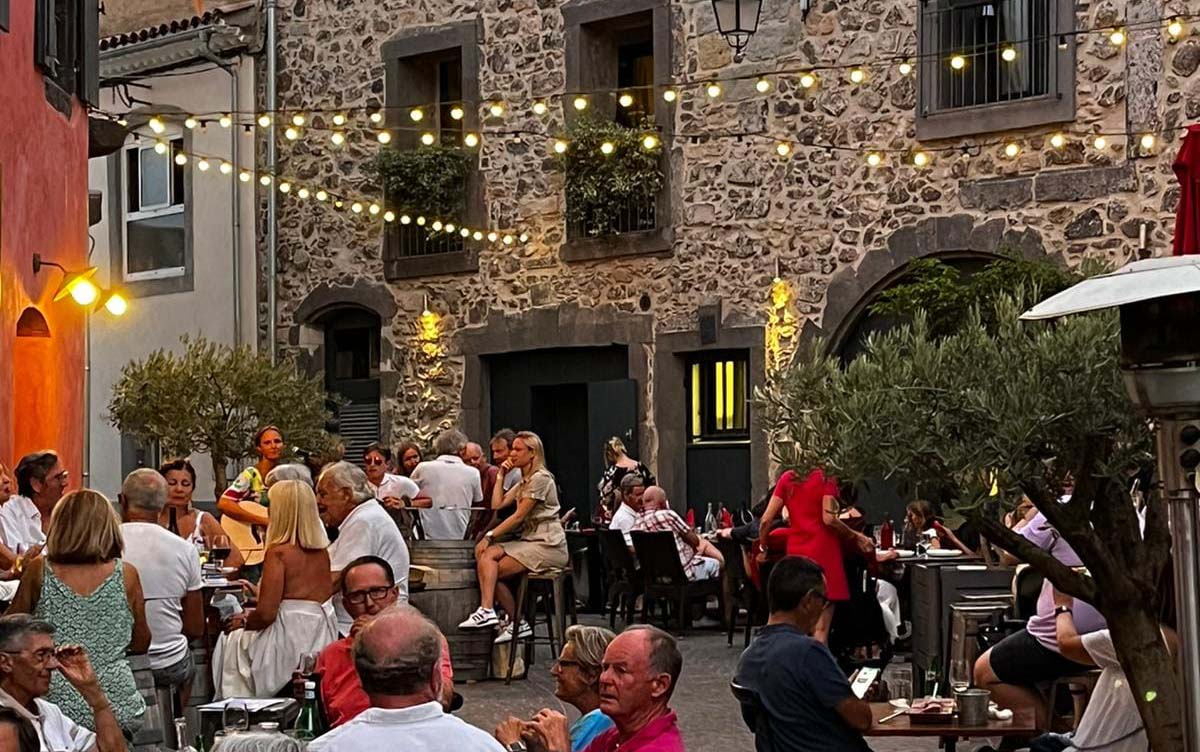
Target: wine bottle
point(308, 724)
point(886, 534)
point(173, 519)
point(710, 519)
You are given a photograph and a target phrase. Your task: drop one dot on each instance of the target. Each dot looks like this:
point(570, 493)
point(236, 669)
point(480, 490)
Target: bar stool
point(551, 586)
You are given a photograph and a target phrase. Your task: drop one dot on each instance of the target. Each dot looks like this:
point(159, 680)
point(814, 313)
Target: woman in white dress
point(293, 615)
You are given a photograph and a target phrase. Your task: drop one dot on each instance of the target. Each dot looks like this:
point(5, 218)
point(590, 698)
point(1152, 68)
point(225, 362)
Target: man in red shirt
point(368, 587)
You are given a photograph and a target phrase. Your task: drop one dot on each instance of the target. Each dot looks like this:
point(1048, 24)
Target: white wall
point(158, 321)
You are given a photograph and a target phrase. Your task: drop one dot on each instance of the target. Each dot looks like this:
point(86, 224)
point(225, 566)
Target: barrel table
point(451, 593)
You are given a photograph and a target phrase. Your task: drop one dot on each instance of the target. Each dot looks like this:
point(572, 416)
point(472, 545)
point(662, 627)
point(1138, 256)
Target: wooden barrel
point(451, 593)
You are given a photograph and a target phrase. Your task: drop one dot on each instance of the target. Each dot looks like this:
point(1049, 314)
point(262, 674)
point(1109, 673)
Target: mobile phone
point(863, 680)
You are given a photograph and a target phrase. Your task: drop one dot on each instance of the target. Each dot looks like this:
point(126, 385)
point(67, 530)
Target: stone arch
point(961, 236)
point(326, 297)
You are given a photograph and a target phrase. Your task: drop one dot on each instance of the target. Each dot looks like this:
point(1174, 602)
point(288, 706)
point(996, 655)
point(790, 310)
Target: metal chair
point(551, 586)
point(754, 715)
point(624, 583)
point(663, 576)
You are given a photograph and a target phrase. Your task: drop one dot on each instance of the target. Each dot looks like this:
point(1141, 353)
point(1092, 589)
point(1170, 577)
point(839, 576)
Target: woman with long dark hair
point(180, 517)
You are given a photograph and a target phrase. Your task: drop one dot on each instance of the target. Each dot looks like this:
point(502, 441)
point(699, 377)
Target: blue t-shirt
point(587, 728)
point(800, 685)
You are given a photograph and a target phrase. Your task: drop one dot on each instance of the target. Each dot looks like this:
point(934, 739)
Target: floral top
point(248, 486)
point(102, 623)
point(610, 484)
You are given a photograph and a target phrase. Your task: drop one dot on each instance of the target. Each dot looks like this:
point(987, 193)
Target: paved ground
point(708, 714)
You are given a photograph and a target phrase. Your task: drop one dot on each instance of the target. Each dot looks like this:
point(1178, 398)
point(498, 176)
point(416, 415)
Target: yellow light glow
point(376, 117)
point(384, 137)
point(157, 125)
point(298, 119)
point(508, 239)
point(437, 225)
point(338, 138)
point(783, 148)
point(1012, 149)
point(417, 114)
point(1100, 142)
point(477, 235)
point(456, 113)
point(539, 108)
point(1148, 141)
point(116, 304)
point(264, 120)
point(497, 109)
point(625, 100)
point(180, 158)
point(874, 159)
point(1175, 29)
point(265, 180)
point(373, 209)
point(808, 80)
point(695, 400)
point(762, 86)
point(226, 168)
point(302, 193)
point(719, 394)
point(650, 141)
point(338, 203)
point(905, 68)
point(958, 62)
point(921, 159)
point(669, 95)
point(203, 165)
point(84, 292)
point(1008, 54)
point(244, 176)
point(1058, 140)
point(491, 236)
point(339, 119)
point(291, 134)
point(190, 123)
point(464, 232)
point(471, 140)
point(389, 216)
point(523, 237)
point(322, 195)
point(713, 90)
point(160, 147)
point(285, 187)
point(580, 103)
point(1117, 37)
point(560, 146)
point(607, 148)
point(225, 121)
point(405, 219)
point(356, 207)
point(420, 221)
point(427, 138)
point(857, 76)
point(448, 227)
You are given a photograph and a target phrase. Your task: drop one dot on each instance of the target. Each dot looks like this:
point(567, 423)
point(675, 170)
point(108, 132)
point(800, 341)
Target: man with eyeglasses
point(807, 701)
point(27, 658)
point(368, 588)
point(41, 482)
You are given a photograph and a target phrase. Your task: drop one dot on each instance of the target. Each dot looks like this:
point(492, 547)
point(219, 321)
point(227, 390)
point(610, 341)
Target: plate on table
point(943, 553)
point(904, 553)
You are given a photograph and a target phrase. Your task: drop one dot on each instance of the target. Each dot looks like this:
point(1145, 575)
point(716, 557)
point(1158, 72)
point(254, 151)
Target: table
point(1021, 724)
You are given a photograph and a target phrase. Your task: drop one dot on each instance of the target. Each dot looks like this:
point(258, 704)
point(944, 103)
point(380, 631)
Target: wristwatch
point(1063, 610)
point(518, 746)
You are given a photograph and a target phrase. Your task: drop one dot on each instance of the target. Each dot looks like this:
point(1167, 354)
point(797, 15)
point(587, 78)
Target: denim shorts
point(177, 674)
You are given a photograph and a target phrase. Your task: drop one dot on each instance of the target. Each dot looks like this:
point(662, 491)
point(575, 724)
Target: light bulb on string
point(669, 95)
point(1175, 29)
point(808, 80)
point(857, 75)
point(1012, 149)
point(302, 193)
point(338, 203)
point(383, 137)
point(523, 237)
point(508, 239)
point(1147, 141)
point(420, 221)
point(713, 90)
point(339, 119)
point(491, 236)
point(427, 138)
point(607, 148)
point(650, 141)
point(496, 109)
point(389, 216)
point(356, 207)
point(203, 165)
point(539, 108)
point(157, 125)
point(874, 159)
point(958, 62)
point(180, 158)
point(416, 114)
point(783, 148)
point(160, 147)
point(245, 176)
point(264, 120)
point(405, 219)
point(1100, 142)
point(338, 138)
point(225, 121)
point(580, 103)
point(226, 168)
point(477, 235)
point(437, 225)
point(906, 68)
point(448, 227)
point(298, 119)
point(464, 232)
point(291, 134)
point(376, 117)
point(265, 180)
point(456, 113)
point(374, 209)
point(762, 85)
point(190, 123)
point(1117, 37)
point(920, 158)
point(625, 100)
point(1008, 54)
point(322, 195)
point(1058, 141)
point(471, 140)
point(285, 187)
point(560, 146)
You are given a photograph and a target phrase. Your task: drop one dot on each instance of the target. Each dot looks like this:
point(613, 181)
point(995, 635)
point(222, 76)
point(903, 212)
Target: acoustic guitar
point(249, 539)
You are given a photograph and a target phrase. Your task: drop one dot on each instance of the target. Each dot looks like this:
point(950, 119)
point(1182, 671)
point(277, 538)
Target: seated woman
point(179, 516)
point(926, 526)
point(530, 540)
point(294, 611)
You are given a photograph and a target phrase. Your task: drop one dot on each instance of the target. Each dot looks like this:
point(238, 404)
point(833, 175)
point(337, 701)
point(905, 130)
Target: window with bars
point(718, 395)
point(989, 65)
point(155, 229)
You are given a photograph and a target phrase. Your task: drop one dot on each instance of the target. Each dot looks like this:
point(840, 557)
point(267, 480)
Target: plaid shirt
point(665, 520)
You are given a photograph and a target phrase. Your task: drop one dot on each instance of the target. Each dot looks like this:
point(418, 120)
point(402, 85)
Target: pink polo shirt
point(659, 735)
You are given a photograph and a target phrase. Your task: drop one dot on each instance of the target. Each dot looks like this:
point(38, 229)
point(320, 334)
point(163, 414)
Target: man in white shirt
point(396, 656)
point(347, 504)
point(449, 488)
point(632, 488)
point(41, 482)
point(27, 656)
point(170, 572)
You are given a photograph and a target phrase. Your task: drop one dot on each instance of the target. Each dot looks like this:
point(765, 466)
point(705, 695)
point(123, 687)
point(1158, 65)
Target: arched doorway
point(36, 407)
point(351, 347)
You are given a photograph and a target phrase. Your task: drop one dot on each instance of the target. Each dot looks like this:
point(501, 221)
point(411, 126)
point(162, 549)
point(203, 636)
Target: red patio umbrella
point(1187, 214)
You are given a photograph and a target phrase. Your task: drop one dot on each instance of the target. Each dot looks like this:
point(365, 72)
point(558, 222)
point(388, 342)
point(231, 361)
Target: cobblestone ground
point(708, 715)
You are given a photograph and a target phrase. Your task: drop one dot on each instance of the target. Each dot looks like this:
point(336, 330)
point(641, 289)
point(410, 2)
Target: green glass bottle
point(308, 724)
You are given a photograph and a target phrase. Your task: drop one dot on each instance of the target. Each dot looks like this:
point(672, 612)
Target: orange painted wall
point(43, 209)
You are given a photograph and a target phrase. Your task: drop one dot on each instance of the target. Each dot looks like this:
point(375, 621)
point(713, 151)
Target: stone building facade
point(648, 305)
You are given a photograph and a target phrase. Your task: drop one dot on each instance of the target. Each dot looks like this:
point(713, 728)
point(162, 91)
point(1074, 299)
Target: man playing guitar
point(243, 506)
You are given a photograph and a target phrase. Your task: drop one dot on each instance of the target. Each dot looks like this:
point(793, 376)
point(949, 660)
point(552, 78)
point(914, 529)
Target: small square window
point(718, 395)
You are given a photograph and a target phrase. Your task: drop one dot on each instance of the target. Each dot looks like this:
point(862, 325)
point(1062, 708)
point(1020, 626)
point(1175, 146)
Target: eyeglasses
point(563, 664)
point(375, 461)
point(358, 597)
point(40, 657)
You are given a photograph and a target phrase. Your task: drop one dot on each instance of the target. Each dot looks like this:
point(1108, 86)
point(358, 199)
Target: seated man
point(396, 655)
point(806, 698)
point(632, 489)
point(368, 587)
point(27, 656)
point(700, 559)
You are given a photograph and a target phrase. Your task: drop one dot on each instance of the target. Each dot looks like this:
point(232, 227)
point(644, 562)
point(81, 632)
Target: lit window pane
point(719, 394)
point(696, 400)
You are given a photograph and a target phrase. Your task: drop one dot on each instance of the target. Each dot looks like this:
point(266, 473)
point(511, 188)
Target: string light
point(405, 219)
point(1117, 37)
point(783, 148)
point(265, 180)
point(580, 103)
point(338, 138)
point(762, 85)
point(384, 137)
point(420, 221)
point(376, 117)
point(1008, 54)
point(1175, 29)
point(160, 147)
point(920, 159)
point(264, 120)
point(1100, 142)
point(625, 100)
point(191, 123)
point(374, 209)
point(471, 140)
point(449, 227)
point(203, 165)
point(508, 239)
point(464, 232)
point(669, 95)
point(649, 142)
point(524, 238)
point(437, 225)
point(497, 109)
point(491, 236)
point(416, 114)
point(857, 76)
point(338, 203)
point(291, 134)
point(322, 195)
point(298, 119)
point(477, 235)
point(244, 176)
point(1058, 140)
point(456, 113)
point(560, 146)
point(180, 158)
point(389, 216)
point(285, 187)
point(339, 119)
point(713, 90)
point(226, 168)
point(1147, 141)
point(157, 125)
point(356, 207)
point(225, 121)
point(1012, 149)
point(906, 68)
point(808, 80)
point(302, 193)
point(607, 148)
point(539, 108)
point(427, 138)
point(874, 159)
point(958, 62)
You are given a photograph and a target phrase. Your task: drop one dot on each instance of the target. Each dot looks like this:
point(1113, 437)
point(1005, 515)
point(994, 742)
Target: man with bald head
point(170, 573)
point(700, 559)
point(396, 655)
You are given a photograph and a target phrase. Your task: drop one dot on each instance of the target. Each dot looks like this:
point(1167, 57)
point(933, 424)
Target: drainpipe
point(272, 165)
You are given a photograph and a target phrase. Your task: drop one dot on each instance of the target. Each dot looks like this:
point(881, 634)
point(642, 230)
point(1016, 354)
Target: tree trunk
point(219, 463)
point(1151, 673)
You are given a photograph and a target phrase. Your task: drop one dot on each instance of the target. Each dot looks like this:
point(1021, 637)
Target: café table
point(949, 732)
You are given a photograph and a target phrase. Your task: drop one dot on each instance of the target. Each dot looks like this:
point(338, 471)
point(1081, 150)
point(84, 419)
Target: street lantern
point(737, 20)
point(1159, 304)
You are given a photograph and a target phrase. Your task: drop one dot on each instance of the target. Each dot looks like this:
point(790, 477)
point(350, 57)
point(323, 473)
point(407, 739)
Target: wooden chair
point(663, 576)
point(624, 583)
point(739, 590)
point(556, 591)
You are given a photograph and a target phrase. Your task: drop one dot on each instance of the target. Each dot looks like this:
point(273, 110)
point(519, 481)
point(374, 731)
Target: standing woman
point(815, 532)
point(294, 611)
point(94, 599)
point(250, 484)
point(618, 464)
point(179, 516)
point(530, 540)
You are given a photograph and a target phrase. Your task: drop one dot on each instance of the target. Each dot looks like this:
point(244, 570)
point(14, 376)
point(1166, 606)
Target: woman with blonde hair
point(94, 599)
point(618, 464)
point(293, 614)
point(529, 540)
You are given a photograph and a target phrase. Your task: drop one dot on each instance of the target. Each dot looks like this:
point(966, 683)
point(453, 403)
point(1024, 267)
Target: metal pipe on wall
point(272, 194)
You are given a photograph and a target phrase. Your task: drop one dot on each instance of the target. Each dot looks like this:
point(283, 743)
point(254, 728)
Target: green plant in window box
point(602, 187)
point(430, 180)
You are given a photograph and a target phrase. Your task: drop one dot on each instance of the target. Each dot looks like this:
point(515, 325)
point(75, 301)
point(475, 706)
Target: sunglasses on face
point(358, 597)
point(375, 461)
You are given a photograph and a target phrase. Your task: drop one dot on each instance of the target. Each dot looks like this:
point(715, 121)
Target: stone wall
point(822, 215)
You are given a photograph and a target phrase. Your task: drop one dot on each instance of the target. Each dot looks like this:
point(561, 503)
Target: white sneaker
point(483, 617)
point(506, 633)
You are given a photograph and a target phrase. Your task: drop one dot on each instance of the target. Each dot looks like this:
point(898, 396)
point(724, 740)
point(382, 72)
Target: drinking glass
point(900, 688)
point(307, 664)
point(960, 675)
point(220, 549)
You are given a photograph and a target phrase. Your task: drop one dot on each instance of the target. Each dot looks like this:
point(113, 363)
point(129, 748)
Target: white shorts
point(705, 569)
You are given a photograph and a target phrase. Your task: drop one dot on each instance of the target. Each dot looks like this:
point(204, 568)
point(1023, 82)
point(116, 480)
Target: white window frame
point(162, 210)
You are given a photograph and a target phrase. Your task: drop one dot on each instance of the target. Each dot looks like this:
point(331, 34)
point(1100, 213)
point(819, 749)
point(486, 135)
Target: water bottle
point(710, 519)
point(308, 724)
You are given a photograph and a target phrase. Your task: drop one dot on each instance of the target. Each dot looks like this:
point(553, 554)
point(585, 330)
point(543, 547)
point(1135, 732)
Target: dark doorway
point(574, 399)
point(352, 373)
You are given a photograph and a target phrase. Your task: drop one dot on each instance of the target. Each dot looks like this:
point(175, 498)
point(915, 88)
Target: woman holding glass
point(195, 526)
point(294, 611)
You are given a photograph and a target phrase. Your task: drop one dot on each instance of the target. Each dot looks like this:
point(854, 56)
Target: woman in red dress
point(815, 532)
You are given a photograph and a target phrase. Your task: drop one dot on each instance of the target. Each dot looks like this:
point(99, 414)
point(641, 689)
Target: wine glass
point(960, 674)
point(220, 549)
point(235, 717)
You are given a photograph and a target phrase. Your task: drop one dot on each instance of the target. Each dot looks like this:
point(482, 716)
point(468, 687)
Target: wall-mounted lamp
point(79, 285)
point(113, 302)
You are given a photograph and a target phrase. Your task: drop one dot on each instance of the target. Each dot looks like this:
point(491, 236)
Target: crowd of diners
point(89, 583)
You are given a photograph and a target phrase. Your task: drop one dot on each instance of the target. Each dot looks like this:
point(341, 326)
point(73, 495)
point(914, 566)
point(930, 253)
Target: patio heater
point(1159, 303)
